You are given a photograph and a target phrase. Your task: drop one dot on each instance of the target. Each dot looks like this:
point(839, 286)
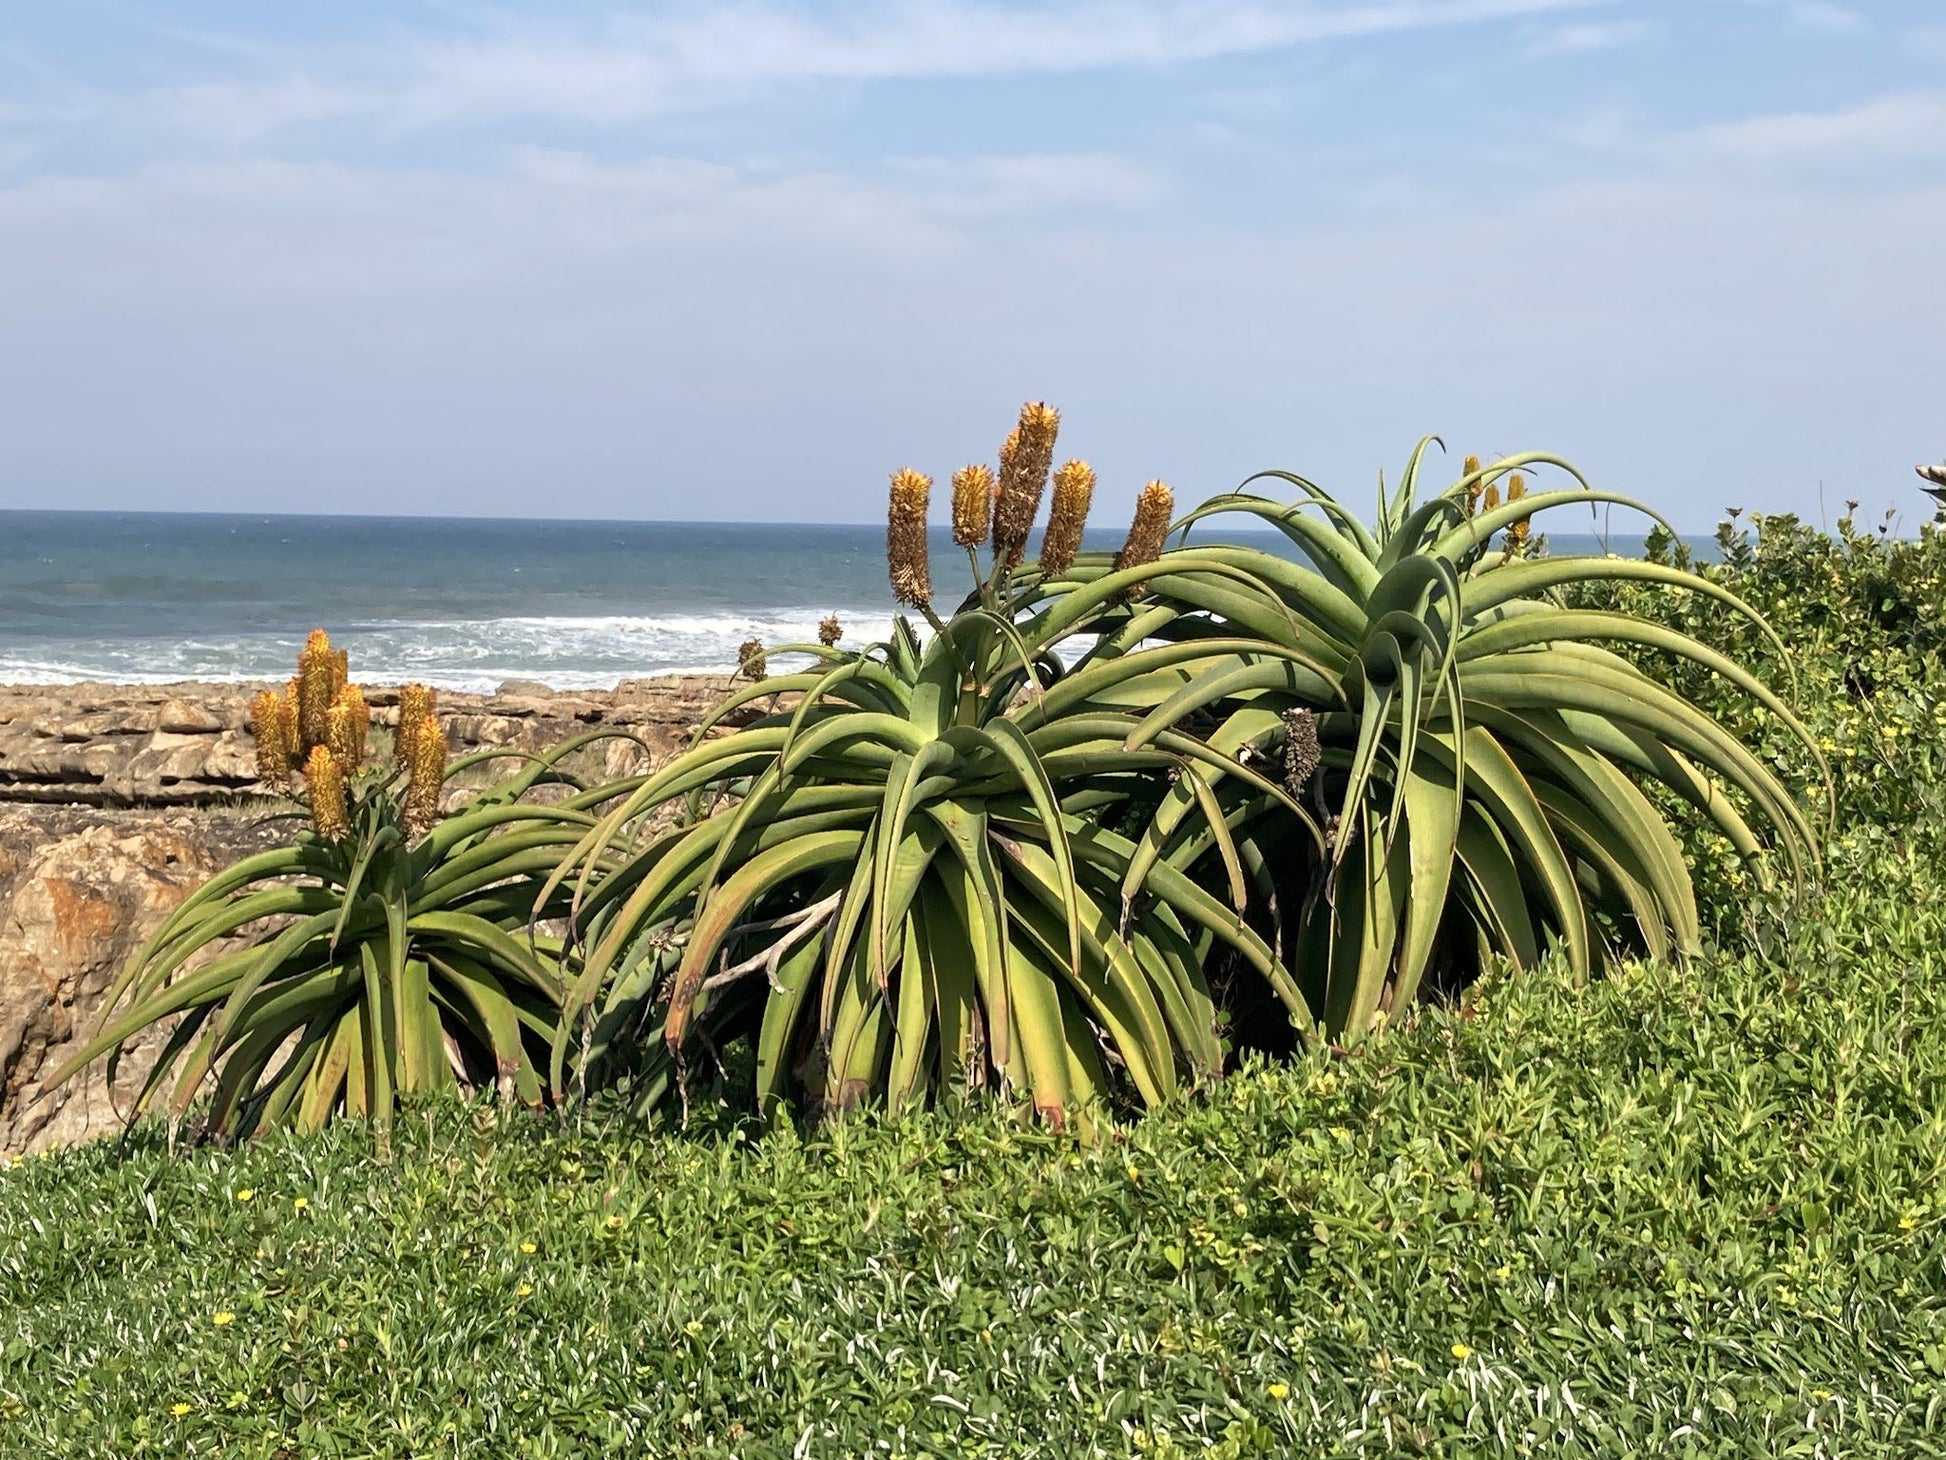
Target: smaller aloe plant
point(384, 952)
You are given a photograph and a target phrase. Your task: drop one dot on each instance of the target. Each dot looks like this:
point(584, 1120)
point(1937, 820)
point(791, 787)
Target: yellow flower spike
point(1492, 497)
point(906, 552)
point(1155, 507)
point(1074, 491)
point(326, 783)
point(317, 686)
point(357, 722)
point(425, 774)
point(1471, 468)
point(973, 489)
point(1023, 479)
point(273, 727)
point(416, 704)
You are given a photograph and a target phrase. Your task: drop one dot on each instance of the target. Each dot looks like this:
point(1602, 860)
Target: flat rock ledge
point(117, 801)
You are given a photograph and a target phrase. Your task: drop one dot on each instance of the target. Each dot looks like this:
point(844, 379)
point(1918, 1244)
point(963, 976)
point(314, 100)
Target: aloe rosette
point(1496, 775)
point(926, 875)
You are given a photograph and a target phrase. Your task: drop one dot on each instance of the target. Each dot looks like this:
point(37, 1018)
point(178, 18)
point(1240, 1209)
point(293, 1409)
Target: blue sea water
point(463, 603)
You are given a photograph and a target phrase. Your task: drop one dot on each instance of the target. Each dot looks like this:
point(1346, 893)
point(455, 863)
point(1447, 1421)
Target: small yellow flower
point(179, 1410)
point(528, 1248)
point(1279, 1392)
point(1135, 1174)
point(244, 1193)
point(692, 1327)
point(223, 1319)
point(1503, 1272)
point(300, 1203)
point(1908, 1222)
point(1461, 1351)
point(523, 1290)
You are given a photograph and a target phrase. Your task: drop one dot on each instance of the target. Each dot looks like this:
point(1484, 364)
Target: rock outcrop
point(116, 801)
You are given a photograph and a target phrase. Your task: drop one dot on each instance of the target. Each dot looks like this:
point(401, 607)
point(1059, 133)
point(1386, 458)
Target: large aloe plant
point(928, 871)
point(1496, 778)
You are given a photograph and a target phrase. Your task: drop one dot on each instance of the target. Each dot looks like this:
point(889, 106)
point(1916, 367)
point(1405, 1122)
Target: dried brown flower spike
point(830, 630)
point(1023, 479)
point(1302, 753)
point(1074, 490)
point(1471, 469)
point(1154, 508)
point(752, 662)
point(906, 550)
point(973, 489)
point(326, 784)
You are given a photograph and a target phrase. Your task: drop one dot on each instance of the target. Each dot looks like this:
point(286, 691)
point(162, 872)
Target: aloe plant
point(928, 871)
point(384, 952)
point(1495, 778)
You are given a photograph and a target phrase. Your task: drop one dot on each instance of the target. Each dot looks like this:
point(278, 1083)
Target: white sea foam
point(565, 652)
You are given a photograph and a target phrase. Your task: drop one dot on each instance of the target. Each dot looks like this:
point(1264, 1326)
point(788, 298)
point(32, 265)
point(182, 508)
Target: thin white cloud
point(1895, 128)
point(1586, 38)
point(643, 65)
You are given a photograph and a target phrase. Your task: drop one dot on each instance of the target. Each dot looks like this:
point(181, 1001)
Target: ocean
point(462, 603)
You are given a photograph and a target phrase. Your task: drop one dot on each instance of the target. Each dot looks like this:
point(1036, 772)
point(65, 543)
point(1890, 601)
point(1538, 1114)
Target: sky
point(741, 260)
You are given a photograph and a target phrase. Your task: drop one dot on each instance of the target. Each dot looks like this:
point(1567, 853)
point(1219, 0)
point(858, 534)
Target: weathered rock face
point(79, 892)
point(117, 801)
point(189, 744)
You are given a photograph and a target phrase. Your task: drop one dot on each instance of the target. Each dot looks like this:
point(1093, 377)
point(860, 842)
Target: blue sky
point(740, 260)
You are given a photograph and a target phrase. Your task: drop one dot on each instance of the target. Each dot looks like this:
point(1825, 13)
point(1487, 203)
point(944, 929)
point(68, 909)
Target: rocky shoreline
point(116, 801)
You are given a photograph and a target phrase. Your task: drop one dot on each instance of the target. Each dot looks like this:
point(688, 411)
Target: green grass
point(1672, 1213)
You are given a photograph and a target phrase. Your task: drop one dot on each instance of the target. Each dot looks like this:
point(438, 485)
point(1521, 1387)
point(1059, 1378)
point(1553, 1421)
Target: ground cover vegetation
point(1689, 1205)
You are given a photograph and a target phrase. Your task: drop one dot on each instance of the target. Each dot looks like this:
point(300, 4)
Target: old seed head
point(1023, 480)
point(973, 489)
point(830, 630)
point(326, 784)
point(752, 661)
point(273, 724)
point(1302, 754)
point(317, 686)
point(416, 704)
point(1074, 490)
point(425, 773)
point(906, 551)
point(1154, 507)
